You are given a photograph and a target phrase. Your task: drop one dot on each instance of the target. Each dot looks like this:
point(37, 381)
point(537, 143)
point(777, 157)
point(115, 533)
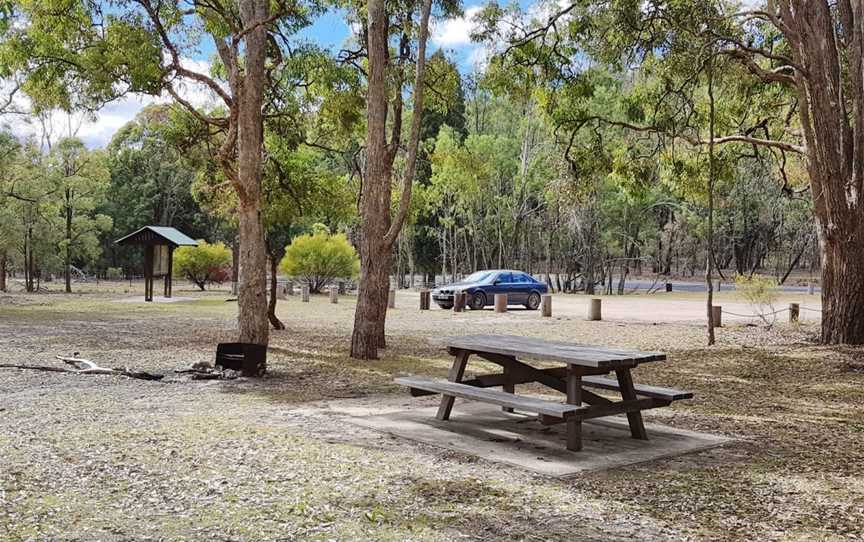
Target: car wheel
point(533, 301)
point(478, 301)
point(446, 306)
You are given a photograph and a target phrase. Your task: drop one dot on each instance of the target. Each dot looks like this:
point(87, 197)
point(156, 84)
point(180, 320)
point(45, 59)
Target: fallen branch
point(84, 367)
point(87, 367)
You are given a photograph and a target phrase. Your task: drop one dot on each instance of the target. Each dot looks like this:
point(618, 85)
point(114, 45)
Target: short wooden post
point(500, 302)
point(334, 294)
point(424, 300)
point(810, 288)
point(794, 312)
point(719, 284)
point(717, 315)
point(668, 286)
point(304, 292)
point(546, 305)
point(341, 287)
point(594, 311)
point(458, 301)
point(281, 291)
point(289, 288)
point(391, 299)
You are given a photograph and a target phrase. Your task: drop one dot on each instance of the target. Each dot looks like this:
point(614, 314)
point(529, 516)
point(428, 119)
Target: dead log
point(85, 367)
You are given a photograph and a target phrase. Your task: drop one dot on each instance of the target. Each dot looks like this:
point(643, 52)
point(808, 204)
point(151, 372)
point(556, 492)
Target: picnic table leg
point(508, 386)
point(574, 397)
point(456, 372)
point(625, 383)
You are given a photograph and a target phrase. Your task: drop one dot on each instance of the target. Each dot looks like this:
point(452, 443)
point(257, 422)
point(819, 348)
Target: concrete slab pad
point(487, 432)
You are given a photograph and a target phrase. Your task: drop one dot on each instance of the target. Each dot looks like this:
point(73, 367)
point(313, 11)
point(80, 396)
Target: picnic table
point(575, 368)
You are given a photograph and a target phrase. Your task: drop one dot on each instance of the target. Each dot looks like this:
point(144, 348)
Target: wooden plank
point(455, 375)
point(570, 353)
point(495, 397)
point(657, 392)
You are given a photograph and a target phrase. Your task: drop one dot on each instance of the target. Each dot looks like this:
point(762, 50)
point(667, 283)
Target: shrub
point(319, 258)
point(761, 292)
point(206, 263)
point(114, 273)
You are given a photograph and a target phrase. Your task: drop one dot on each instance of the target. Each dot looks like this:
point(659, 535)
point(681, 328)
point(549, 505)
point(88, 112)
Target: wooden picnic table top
point(582, 355)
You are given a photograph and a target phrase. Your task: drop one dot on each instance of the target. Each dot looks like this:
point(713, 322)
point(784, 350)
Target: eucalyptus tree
point(80, 54)
point(386, 76)
point(808, 55)
point(80, 181)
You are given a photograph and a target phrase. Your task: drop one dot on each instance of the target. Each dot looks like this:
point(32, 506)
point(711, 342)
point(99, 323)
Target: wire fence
point(772, 313)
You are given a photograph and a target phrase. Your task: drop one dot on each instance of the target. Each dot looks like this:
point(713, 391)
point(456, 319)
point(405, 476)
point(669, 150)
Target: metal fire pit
point(249, 359)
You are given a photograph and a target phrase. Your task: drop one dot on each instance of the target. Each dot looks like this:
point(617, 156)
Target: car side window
point(522, 278)
point(505, 278)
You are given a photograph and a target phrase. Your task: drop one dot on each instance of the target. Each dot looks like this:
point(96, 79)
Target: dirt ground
point(110, 458)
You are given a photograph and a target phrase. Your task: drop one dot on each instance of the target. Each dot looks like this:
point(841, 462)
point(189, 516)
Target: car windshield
point(479, 276)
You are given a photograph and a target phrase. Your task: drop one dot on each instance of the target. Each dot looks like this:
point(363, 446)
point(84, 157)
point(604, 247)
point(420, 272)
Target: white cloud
point(455, 31)
point(97, 131)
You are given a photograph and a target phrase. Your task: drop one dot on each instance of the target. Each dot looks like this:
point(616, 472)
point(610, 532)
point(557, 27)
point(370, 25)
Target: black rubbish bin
point(249, 359)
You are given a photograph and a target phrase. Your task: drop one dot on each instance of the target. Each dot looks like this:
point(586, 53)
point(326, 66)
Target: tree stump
point(424, 300)
point(500, 302)
point(546, 306)
point(391, 299)
point(458, 301)
point(304, 292)
point(334, 294)
point(717, 315)
point(794, 313)
point(594, 310)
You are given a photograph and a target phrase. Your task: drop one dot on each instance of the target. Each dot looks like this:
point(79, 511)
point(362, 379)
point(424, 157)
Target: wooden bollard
point(500, 302)
point(424, 300)
point(458, 301)
point(341, 287)
point(391, 299)
point(717, 315)
point(810, 288)
point(334, 294)
point(289, 288)
point(546, 306)
point(594, 310)
point(304, 292)
point(794, 312)
point(719, 284)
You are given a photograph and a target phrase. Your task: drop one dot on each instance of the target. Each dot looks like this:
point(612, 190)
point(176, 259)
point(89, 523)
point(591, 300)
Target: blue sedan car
point(480, 289)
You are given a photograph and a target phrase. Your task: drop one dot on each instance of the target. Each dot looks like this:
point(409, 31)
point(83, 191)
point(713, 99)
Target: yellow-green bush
point(319, 258)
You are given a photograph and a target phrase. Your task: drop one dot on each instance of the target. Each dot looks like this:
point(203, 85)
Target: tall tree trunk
point(67, 267)
point(252, 291)
point(375, 195)
point(709, 260)
point(824, 42)
point(378, 231)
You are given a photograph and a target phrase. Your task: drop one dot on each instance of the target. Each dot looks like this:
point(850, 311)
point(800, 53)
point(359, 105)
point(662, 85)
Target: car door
point(500, 285)
point(521, 287)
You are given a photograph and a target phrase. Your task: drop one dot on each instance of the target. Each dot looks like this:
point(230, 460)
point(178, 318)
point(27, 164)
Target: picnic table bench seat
point(655, 392)
point(501, 398)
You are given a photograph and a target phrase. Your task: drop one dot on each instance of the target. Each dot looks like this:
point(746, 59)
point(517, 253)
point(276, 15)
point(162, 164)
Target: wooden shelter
point(159, 243)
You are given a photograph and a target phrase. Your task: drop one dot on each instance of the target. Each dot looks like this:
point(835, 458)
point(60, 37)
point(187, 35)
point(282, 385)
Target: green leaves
point(319, 258)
